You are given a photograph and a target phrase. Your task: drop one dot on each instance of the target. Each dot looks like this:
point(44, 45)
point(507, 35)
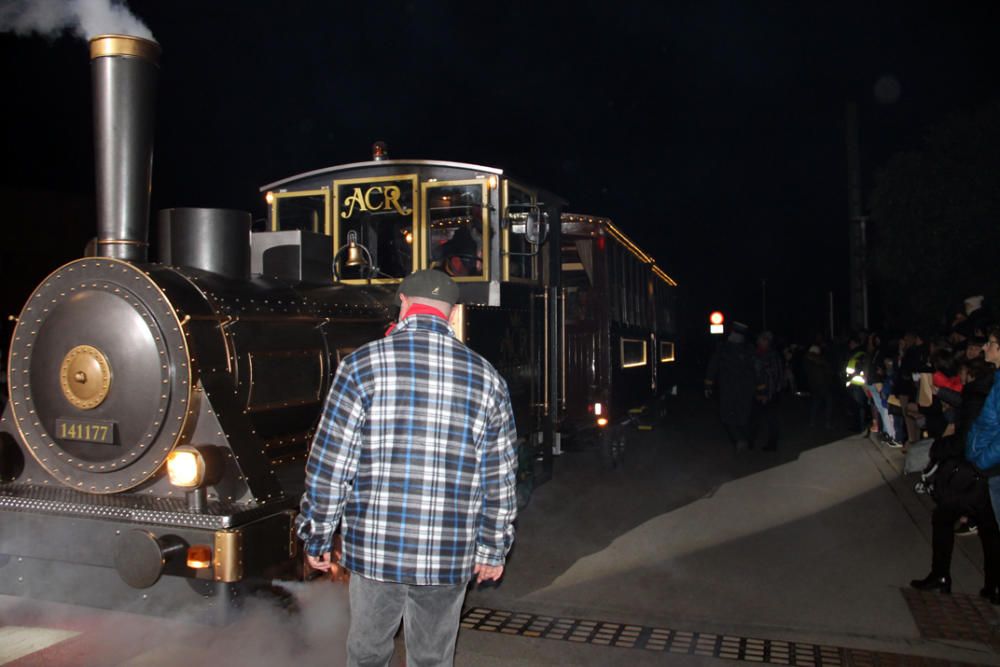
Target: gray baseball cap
point(429, 284)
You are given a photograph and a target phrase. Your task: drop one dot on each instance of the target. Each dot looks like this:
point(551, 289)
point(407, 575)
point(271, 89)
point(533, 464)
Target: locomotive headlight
point(602, 421)
point(186, 467)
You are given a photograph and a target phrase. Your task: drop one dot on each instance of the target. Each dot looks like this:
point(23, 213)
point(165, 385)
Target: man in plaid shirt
point(414, 459)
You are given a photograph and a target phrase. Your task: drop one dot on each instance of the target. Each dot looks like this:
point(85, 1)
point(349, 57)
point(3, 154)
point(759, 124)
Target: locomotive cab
point(384, 219)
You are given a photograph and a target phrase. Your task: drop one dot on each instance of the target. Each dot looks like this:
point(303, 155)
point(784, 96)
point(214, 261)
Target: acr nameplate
point(102, 432)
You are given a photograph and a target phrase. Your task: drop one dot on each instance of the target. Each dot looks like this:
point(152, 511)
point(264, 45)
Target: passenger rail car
point(152, 451)
point(620, 333)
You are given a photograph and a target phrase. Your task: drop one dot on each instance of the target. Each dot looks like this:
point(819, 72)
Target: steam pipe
point(124, 71)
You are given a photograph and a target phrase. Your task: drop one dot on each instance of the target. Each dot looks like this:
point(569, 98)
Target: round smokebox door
point(100, 376)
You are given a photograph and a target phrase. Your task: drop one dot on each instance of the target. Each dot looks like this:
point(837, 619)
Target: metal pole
point(763, 304)
point(858, 294)
point(554, 340)
point(864, 271)
point(831, 315)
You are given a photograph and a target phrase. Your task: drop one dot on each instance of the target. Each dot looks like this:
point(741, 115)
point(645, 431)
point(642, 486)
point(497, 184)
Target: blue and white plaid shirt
point(414, 457)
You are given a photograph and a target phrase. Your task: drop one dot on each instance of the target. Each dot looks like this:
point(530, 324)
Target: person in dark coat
point(732, 374)
point(820, 378)
point(961, 489)
point(770, 376)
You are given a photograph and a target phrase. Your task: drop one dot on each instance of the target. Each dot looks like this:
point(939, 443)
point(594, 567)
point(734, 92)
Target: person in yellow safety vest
point(854, 374)
point(855, 371)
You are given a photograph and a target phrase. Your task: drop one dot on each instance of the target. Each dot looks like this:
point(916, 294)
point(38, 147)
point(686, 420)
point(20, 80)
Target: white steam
point(84, 18)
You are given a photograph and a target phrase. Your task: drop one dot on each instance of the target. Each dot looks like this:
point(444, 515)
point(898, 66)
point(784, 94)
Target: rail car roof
point(619, 236)
point(394, 163)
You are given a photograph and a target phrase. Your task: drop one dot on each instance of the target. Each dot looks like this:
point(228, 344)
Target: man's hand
point(488, 572)
point(322, 563)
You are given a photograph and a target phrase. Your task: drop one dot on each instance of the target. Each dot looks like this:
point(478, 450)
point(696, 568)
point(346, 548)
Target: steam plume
point(85, 18)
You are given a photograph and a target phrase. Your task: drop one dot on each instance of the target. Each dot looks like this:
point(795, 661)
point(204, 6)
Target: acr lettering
point(375, 198)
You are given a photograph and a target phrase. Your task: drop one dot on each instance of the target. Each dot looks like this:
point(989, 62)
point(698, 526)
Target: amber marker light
point(602, 421)
point(492, 182)
point(186, 467)
point(269, 198)
point(199, 557)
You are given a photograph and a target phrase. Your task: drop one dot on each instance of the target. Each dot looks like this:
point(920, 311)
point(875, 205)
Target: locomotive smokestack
point(124, 71)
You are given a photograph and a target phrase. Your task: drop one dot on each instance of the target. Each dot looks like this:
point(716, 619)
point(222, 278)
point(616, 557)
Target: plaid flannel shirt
point(414, 457)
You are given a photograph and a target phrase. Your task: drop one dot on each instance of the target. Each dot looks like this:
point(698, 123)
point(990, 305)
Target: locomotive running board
point(148, 510)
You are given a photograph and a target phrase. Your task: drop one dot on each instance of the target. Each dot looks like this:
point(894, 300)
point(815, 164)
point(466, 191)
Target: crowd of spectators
point(927, 393)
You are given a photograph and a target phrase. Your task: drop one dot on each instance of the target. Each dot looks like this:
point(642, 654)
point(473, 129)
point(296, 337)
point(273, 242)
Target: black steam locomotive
point(152, 450)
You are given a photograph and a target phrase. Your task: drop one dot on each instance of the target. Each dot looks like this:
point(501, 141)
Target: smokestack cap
point(124, 45)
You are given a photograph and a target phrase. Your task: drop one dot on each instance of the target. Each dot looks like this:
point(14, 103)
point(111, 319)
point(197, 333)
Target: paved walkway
point(814, 550)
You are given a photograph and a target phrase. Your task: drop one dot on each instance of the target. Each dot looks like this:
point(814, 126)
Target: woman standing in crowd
point(983, 445)
point(961, 488)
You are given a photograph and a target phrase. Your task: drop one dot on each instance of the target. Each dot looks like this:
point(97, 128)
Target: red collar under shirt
point(418, 309)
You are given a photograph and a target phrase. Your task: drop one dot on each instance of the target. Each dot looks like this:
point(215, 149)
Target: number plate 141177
point(86, 431)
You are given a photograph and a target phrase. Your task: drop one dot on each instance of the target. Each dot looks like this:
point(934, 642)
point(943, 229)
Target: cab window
point(301, 212)
point(456, 229)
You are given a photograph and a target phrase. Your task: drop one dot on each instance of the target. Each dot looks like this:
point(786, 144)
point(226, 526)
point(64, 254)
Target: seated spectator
point(912, 360)
point(974, 347)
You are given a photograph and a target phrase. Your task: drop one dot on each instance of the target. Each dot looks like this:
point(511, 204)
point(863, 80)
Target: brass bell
point(354, 255)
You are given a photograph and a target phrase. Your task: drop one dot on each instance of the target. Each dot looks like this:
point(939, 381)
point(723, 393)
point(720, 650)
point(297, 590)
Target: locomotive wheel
point(100, 377)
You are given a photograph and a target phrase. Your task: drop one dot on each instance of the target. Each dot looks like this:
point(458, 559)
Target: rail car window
point(456, 227)
point(633, 352)
point(577, 280)
point(378, 216)
point(301, 212)
point(520, 263)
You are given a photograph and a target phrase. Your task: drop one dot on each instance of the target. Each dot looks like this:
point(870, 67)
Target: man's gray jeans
point(430, 622)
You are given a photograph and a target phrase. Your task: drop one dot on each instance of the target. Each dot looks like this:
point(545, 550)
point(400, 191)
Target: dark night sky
point(712, 132)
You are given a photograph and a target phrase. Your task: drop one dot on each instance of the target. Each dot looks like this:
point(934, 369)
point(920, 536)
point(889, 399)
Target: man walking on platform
point(414, 459)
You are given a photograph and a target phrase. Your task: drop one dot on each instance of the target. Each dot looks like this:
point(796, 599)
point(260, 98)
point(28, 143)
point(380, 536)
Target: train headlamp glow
point(602, 421)
point(598, 409)
point(186, 467)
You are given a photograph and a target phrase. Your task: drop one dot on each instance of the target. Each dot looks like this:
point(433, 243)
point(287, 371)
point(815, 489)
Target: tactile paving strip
point(954, 616)
point(731, 647)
